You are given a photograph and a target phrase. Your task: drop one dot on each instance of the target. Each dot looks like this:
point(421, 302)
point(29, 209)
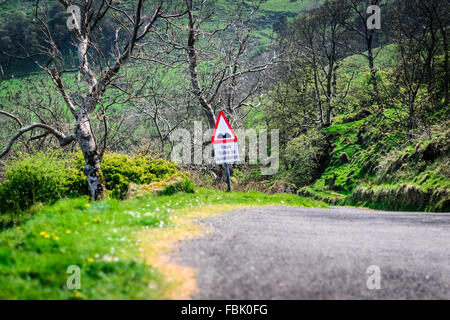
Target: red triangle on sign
point(223, 133)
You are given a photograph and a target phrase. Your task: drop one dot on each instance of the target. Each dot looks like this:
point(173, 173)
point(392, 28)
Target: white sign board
point(225, 141)
point(226, 152)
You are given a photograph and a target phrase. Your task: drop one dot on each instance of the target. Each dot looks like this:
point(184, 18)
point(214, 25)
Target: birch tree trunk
point(88, 145)
point(84, 135)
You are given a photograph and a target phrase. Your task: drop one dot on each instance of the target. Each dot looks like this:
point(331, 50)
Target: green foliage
point(39, 178)
point(121, 170)
point(294, 6)
point(403, 196)
point(178, 182)
point(181, 184)
point(385, 171)
point(306, 155)
point(414, 177)
point(290, 104)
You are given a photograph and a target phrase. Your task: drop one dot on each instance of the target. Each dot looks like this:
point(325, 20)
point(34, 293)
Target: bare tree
point(356, 22)
point(318, 40)
point(99, 65)
point(417, 53)
point(164, 104)
point(232, 79)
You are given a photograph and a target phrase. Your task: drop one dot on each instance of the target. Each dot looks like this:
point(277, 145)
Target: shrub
point(37, 178)
point(181, 183)
point(306, 156)
point(177, 183)
point(121, 170)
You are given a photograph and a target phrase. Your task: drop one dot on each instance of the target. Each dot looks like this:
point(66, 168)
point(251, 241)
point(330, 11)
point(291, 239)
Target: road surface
point(304, 253)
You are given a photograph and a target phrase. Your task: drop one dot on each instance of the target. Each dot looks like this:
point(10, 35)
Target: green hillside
point(382, 168)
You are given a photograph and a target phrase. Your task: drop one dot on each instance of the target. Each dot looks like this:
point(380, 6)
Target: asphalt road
point(304, 253)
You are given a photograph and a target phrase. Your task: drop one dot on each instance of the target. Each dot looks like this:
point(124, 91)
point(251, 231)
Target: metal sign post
point(225, 144)
point(227, 173)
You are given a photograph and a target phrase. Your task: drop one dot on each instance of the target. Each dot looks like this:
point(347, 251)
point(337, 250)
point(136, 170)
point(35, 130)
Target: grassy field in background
point(288, 5)
point(102, 238)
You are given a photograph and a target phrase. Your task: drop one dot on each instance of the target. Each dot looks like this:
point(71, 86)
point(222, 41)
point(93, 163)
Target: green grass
point(100, 238)
point(400, 197)
point(10, 6)
point(372, 144)
point(287, 5)
point(359, 66)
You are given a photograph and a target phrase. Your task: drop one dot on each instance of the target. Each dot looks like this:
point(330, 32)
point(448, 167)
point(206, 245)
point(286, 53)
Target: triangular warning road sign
point(223, 133)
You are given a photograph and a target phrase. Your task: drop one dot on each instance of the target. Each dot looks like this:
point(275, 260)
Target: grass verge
point(120, 246)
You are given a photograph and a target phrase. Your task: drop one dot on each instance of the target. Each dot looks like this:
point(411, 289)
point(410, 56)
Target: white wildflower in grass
point(106, 258)
point(134, 214)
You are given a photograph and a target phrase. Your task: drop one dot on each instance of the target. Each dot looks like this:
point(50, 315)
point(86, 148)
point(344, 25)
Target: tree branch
point(11, 116)
point(63, 139)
